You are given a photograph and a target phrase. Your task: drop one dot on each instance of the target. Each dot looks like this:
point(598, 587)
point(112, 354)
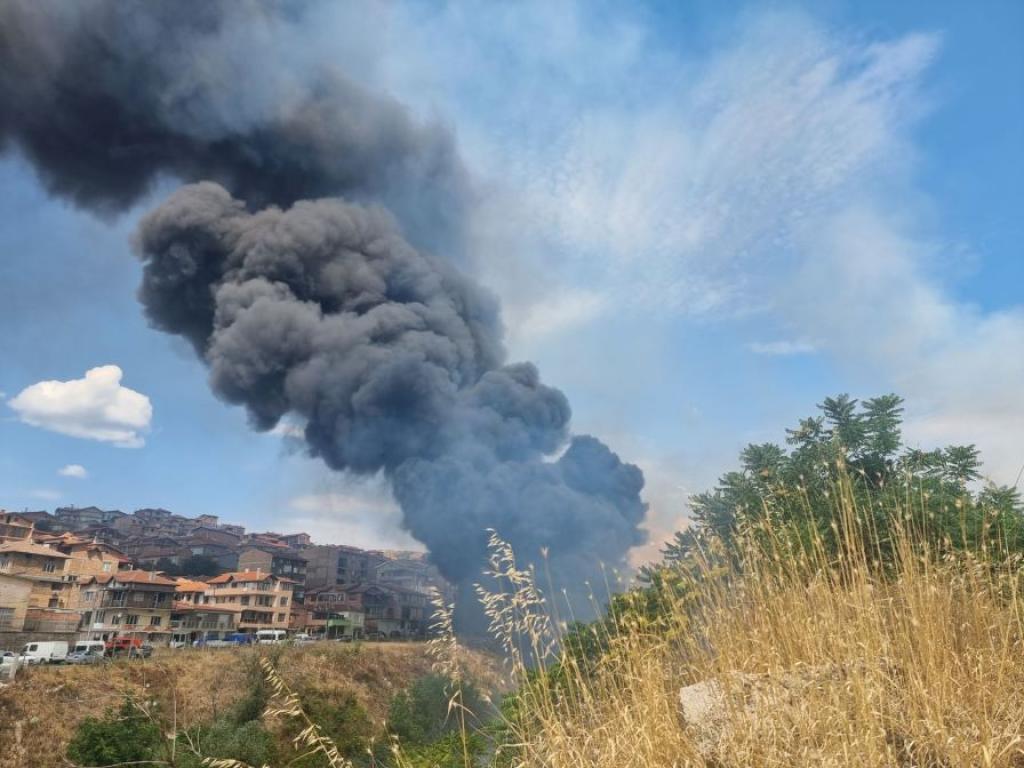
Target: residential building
point(335, 612)
point(225, 557)
point(392, 611)
point(259, 599)
point(194, 619)
point(414, 574)
point(77, 518)
point(280, 561)
point(297, 540)
point(86, 557)
point(41, 519)
point(41, 565)
point(333, 565)
point(14, 527)
point(191, 623)
point(14, 600)
point(209, 534)
point(127, 603)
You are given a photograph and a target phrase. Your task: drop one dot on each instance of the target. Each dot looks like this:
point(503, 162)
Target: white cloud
point(288, 429)
point(773, 178)
point(359, 512)
point(95, 407)
point(782, 348)
point(73, 470)
point(555, 314)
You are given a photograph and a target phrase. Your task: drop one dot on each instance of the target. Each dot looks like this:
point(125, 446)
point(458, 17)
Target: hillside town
point(151, 578)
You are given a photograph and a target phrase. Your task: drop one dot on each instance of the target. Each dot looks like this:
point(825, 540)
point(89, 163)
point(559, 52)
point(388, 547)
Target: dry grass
point(807, 660)
point(39, 713)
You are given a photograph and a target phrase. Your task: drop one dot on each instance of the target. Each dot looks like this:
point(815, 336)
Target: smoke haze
point(330, 311)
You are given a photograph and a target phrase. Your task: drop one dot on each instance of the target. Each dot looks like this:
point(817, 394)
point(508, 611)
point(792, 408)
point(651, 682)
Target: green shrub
point(446, 752)
point(420, 716)
point(248, 742)
point(118, 737)
point(343, 720)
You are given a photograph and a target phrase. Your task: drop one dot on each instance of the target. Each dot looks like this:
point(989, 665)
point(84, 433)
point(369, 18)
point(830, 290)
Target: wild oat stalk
point(284, 702)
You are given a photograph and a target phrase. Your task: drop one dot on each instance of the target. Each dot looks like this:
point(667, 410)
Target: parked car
point(89, 646)
point(44, 652)
point(7, 657)
point(240, 638)
point(85, 657)
point(302, 637)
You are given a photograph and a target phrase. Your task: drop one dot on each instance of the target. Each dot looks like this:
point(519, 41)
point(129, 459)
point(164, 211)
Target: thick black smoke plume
point(321, 309)
point(105, 97)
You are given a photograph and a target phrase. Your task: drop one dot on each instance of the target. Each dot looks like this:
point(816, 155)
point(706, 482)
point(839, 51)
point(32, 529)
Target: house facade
point(335, 612)
point(14, 601)
point(127, 603)
point(194, 619)
point(334, 565)
point(281, 561)
point(259, 600)
point(14, 527)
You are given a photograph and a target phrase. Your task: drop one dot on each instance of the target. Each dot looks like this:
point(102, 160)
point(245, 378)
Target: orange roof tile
point(188, 585)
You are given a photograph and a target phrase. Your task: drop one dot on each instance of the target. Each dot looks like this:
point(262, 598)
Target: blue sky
point(701, 218)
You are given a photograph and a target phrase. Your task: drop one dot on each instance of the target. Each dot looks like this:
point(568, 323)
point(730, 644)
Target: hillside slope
point(39, 712)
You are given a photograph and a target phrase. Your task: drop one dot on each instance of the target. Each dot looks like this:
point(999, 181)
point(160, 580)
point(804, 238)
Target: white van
point(271, 636)
point(90, 646)
point(43, 652)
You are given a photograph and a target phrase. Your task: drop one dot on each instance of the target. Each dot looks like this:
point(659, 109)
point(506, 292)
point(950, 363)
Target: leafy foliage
point(196, 565)
point(124, 736)
point(343, 720)
point(796, 486)
point(247, 742)
point(420, 715)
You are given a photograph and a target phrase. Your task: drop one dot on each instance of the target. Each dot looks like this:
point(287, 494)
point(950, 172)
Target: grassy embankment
point(40, 712)
point(802, 656)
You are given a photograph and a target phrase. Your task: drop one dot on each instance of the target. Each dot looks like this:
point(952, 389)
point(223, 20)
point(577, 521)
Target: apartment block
point(127, 603)
point(281, 561)
point(333, 565)
point(14, 527)
point(259, 599)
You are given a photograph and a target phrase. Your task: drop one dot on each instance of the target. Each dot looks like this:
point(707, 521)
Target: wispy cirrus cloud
point(782, 348)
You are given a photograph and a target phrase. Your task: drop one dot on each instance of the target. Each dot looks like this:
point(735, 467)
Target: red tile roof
point(131, 577)
point(188, 585)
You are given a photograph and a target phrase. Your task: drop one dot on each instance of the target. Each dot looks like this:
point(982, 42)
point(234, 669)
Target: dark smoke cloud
point(394, 362)
point(316, 309)
point(105, 97)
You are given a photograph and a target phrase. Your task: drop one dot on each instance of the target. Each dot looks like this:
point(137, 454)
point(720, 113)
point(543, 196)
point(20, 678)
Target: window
point(131, 619)
point(245, 600)
point(49, 566)
point(284, 601)
point(106, 567)
point(5, 563)
point(281, 617)
point(154, 621)
point(6, 618)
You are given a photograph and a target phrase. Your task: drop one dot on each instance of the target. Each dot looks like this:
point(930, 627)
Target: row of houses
point(68, 584)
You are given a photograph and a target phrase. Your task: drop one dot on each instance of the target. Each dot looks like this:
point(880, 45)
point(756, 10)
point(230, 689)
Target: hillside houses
point(89, 573)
